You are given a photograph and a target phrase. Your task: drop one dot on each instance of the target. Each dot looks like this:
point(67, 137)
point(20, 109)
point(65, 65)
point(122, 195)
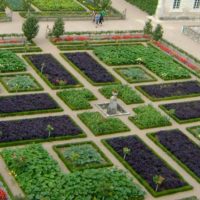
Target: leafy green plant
point(125, 93)
point(10, 62)
point(30, 28)
point(58, 28)
point(20, 83)
point(100, 125)
point(77, 99)
point(154, 59)
point(148, 117)
point(42, 178)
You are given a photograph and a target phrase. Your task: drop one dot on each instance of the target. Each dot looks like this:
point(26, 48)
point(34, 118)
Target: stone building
point(178, 9)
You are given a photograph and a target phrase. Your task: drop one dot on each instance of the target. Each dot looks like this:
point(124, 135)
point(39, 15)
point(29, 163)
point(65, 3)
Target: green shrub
point(148, 28)
point(40, 177)
point(155, 60)
point(77, 99)
point(148, 117)
point(58, 28)
point(158, 32)
point(145, 5)
point(10, 62)
point(125, 93)
point(100, 125)
point(30, 27)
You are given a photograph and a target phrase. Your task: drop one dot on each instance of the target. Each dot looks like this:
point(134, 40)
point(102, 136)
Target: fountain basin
point(103, 107)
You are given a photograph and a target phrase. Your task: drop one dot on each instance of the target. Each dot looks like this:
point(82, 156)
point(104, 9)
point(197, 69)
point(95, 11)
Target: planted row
point(90, 68)
point(41, 178)
point(155, 60)
point(52, 71)
point(20, 131)
point(183, 112)
point(27, 104)
point(150, 169)
point(176, 90)
point(181, 148)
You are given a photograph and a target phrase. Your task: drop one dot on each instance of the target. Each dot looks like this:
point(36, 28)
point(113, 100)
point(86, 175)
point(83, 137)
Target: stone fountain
point(113, 108)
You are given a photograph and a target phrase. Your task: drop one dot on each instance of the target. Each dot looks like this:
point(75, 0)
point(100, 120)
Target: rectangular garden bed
point(125, 93)
point(38, 129)
point(55, 75)
point(146, 165)
point(81, 156)
point(168, 91)
point(102, 126)
point(94, 72)
point(183, 112)
point(135, 74)
point(149, 117)
point(20, 83)
point(183, 150)
point(10, 62)
point(27, 104)
point(40, 177)
point(155, 60)
point(77, 99)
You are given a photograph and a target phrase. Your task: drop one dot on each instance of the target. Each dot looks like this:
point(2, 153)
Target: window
point(176, 4)
point(196, 4)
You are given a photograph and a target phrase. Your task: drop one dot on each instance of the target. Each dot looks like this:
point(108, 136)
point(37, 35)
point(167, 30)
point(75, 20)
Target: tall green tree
point(27, 5)
point(2, 4)
point(148, 28)
point(158, 32)
point(30, 27)
point(58, 28)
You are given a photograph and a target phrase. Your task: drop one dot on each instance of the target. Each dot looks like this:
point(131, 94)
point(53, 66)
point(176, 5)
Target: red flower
point(192, 66)
point(3, 195)
point(116, 37)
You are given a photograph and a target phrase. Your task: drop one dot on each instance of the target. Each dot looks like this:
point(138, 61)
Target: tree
point(126, 151)
point(30, 27)
point(49, 129)
point(148, 28)
point(105, 4)
point(158, 180)
point(158, 32)
point(58, 28)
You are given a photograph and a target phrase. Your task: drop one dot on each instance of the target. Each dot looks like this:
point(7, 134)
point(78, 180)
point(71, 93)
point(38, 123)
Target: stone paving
point(135, 20)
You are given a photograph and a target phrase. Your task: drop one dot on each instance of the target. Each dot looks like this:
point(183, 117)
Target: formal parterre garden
point(58, 145)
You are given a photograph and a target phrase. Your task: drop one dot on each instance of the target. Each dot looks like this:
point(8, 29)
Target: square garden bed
point(183, 112)
point(80, 156)
point(183, 150)
point(94, 72)
point(27, 104)
point(38, 129)
point(77, 99)
point(195, 131)
point(20, 83)
point(125, 93)
point(135, 74)
point(100, 125)
point(149, 117)
point(51, 71)
point(10, 62)
point(168, 91)
point(146, 165)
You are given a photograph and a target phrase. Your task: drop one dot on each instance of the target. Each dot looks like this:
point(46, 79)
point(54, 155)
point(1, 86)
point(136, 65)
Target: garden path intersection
point(135, 20)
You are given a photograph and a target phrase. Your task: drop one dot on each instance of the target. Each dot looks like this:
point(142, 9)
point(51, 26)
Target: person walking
point(97, 19)
point(93, 16)
point(102, 15)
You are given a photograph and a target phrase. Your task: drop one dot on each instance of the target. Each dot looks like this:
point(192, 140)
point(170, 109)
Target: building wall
point(186, 11)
